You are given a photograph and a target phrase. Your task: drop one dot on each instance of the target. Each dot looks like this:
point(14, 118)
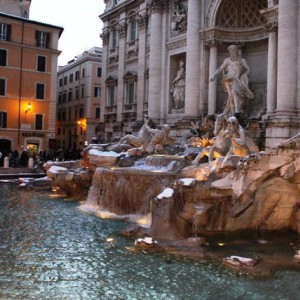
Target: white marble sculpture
point(178, 87)
point(235, 80)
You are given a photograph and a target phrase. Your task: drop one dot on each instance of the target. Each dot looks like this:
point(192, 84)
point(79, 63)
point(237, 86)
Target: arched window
point(240, 13)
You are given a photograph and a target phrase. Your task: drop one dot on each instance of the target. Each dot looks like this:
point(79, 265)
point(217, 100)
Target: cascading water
point(125, 190)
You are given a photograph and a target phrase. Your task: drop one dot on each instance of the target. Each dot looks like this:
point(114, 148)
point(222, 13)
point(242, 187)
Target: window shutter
point(4, 120)
point(39, 122)
point(41, 64)
point(3, 55)
point(48, 40)
point(2, 87)
point(8, 32)
point(37, 35)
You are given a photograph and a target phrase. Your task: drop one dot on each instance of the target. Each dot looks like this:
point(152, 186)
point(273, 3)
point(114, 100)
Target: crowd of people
point(16, 159)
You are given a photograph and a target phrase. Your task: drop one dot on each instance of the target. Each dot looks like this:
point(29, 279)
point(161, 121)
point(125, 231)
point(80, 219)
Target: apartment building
point(79, 100)
point(28, 80)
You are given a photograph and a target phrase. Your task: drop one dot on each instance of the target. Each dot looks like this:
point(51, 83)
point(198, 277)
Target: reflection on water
point(51, 250)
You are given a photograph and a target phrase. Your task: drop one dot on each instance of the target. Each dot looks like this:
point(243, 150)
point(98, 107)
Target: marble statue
point(221, 144)
point(109, 4)
point(235, 80)
point(142, 139)
point(179, 18)
point(159, 138)
point(178, 87)
point(241, 143)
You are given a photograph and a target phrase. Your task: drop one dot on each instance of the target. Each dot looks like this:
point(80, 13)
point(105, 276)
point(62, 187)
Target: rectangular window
point(38, 122)
point(59, 98)
point(40, 91)
point(5, 30)
point(83, 73)
point(42, 39)
point(113, 39)
point(77, 75)
point(3, 57)
point(71, 78)
point(130, 93)
point(132, 30)
point(97, 91)
point(77, 94)
point(82, 92)
point(97, 116)
point(70, 96)
point(70, 114)
point(65, 80)
point(111, 96)
point(81, 112)
point(41, 64)
point(99, 72)
point(2, 87)
point(64, 97)
point(59, 116)
point(3, 119)
point(60, 83)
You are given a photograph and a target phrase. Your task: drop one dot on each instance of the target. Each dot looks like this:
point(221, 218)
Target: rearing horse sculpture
point(221, 143)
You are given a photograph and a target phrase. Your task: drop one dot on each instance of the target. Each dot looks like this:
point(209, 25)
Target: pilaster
point(193, 59)
point(121, 28)
point(155, 58)
point(142, 20)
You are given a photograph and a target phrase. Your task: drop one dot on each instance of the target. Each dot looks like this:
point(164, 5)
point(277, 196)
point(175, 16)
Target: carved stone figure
point(241, 143)
point(179, 18)
point(159, 138)
point(142, 139)
point(178, 87)
point(109, 4)
point(235, 80)
point(221, 143)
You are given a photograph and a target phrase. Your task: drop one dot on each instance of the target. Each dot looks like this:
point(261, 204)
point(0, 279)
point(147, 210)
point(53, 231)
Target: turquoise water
point(49, 249)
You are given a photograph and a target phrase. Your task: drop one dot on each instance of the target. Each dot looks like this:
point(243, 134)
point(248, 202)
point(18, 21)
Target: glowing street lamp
point(28, 108)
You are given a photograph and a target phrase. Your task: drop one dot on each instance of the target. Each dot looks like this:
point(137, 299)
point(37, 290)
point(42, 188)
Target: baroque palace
point(160, 58)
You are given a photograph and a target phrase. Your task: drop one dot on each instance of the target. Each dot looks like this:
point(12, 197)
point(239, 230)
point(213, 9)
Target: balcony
point(110, 110)
point(127, 108)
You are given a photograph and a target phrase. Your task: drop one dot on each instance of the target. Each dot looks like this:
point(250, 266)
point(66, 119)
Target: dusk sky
point(79, 19)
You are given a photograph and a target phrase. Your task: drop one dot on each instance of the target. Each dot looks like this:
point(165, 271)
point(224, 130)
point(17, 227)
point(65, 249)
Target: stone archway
point(235, 20)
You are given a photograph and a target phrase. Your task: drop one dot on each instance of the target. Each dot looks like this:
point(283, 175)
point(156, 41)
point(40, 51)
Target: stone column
point(142, 24)
point(121, 67)
point(155, 59)
point(287, 56)
point(272, 69)
point(192, 59)
point(105, 42)
point(212, 86)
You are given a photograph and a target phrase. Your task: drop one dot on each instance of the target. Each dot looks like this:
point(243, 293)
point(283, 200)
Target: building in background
point(159, 56)
point(28, 79)
point(79, 100)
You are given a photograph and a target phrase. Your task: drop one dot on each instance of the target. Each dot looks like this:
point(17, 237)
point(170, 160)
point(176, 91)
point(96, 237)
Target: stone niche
point(256, 54)
point(175, 66)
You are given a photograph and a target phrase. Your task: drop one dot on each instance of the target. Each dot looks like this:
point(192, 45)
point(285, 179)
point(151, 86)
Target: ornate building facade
point(159, 57)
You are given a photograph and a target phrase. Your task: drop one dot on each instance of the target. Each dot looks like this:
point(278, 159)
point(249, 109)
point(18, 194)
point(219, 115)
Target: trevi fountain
point(213, 205)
